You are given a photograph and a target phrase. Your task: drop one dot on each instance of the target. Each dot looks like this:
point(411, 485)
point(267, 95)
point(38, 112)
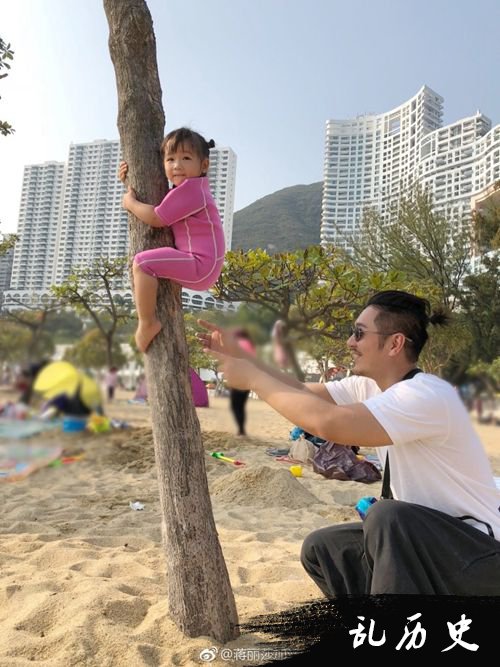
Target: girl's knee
point(141, 270)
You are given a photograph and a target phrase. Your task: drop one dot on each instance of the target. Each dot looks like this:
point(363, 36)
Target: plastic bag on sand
point(336, 461)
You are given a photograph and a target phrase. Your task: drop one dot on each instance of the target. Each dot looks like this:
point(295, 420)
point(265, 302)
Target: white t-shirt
point(437, 459)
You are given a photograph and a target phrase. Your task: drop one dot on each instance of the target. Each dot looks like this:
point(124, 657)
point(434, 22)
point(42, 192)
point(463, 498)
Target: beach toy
point(74, 424)
point(64, 460)
point(72, 459)
point(98, 424)
point(296, 471)
point(221, 457)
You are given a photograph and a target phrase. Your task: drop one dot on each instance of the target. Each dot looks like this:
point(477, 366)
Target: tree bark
point(109, 350)
point(201, 600)
point(292, 356)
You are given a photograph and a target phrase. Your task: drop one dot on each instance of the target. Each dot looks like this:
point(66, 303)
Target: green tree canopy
point(480, 306)
point(91, 290)
point(91, 352)
point(6, 55)
point(14, 341)
point(17, 346)
point(426, 245)
point(487, 223)
point(7, 242)
point(64, 326)
point(315, 292)
point(38, 342)
point(197, 358)
point(489, 373)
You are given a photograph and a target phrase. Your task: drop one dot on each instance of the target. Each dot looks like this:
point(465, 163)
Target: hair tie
point(211, 143)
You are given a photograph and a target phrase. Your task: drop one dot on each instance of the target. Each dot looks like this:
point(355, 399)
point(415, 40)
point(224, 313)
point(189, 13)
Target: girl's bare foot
point(145, 333)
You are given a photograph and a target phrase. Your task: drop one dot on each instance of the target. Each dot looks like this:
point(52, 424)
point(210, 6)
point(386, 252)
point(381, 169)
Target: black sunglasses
point(359, 332)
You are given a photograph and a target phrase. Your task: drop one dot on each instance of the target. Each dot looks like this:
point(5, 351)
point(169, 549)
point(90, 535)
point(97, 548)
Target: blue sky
point(261, 76)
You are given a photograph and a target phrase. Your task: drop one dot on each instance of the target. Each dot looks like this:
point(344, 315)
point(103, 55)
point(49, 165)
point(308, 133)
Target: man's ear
point(397, 344)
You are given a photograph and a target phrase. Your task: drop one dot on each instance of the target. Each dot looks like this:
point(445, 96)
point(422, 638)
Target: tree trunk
point(201, 601)
point(109, 350)
point(292, 356)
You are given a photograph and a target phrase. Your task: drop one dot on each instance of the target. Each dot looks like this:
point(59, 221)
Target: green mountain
point(286, 220)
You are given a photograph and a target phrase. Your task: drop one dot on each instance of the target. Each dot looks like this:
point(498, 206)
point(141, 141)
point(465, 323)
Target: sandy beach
point(82, 574)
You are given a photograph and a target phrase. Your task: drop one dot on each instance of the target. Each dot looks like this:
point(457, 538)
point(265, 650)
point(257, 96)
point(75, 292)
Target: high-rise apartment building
point(92, 222)
point(222, 177)
point(35, 253)
point(371, 159)
point(70, 214)
point(460, 161)
point(6, 269)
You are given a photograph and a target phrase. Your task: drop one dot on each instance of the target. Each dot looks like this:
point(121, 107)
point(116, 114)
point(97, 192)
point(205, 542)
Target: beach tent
point(200, 393)
point(198, 389)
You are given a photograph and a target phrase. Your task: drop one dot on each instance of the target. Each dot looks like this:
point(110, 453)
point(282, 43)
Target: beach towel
point(20, 459)
point(25, 428)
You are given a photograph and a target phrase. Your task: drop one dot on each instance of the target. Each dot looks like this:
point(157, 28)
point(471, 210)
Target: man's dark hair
point(402, 312)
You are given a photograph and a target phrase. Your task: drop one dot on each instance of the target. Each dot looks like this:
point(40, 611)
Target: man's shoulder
point(359, 380)
point(432, 381)
point(425, 386)
point(352, 389)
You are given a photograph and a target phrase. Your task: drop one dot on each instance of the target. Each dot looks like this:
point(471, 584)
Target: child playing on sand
point(190, 211)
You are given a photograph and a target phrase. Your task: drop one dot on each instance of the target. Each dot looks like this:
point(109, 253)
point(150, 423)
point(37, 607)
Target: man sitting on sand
point(440, 533)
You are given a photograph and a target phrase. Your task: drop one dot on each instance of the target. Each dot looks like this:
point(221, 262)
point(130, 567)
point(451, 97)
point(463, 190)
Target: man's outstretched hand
point(238, 373)
point(219, 340)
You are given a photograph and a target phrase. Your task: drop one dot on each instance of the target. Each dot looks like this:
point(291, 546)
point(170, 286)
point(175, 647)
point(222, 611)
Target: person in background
point(111, 382)
point(238, 397)
point(25, 379)
point(278, 335)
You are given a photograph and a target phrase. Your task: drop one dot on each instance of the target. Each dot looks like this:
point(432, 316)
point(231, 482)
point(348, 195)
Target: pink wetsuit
point(196, 260)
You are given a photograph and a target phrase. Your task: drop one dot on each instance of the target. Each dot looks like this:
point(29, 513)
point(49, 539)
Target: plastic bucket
point(74, 424)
